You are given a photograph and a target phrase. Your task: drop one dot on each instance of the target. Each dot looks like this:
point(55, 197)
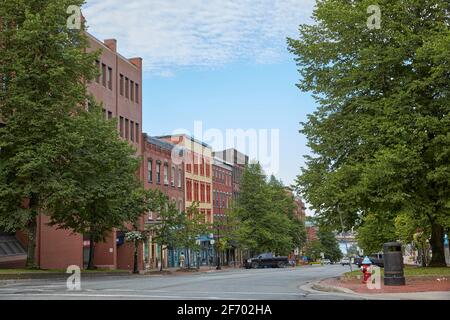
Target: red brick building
point(164, 174)
point(118, 88)
point(222, 187)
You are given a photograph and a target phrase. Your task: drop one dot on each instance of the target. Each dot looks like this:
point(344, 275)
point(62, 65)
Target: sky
point(219, 64)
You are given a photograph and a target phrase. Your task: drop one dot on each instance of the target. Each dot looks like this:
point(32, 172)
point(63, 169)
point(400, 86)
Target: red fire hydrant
point(366, 269)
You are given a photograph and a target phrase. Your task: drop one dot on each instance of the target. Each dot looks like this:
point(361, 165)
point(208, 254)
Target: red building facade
point(118, 88)
point(167, 176)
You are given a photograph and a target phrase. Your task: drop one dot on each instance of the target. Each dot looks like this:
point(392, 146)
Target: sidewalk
point(417, 288)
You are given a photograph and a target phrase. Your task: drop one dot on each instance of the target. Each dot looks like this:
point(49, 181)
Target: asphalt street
point(232, 284)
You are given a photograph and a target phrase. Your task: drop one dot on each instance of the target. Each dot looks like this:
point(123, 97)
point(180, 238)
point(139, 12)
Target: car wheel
point(280, 264)
point(255, 265)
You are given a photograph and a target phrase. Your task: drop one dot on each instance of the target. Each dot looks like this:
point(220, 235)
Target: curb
point(49, 276)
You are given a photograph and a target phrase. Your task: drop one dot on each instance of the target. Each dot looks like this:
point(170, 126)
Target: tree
point(103, 190)
point(167, 231)
point(329, 244)
point(43, 69)
point(380, 137)
point(374, 232)
point(263, 210)
point(313, 250)
point(193, 225)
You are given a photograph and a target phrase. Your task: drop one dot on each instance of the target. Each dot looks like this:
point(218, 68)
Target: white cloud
point(173, 34)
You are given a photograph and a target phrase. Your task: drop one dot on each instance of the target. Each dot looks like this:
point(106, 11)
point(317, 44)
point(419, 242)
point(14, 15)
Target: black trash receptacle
point(393, 264)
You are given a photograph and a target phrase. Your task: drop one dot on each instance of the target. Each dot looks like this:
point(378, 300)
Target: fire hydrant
point(366, 269)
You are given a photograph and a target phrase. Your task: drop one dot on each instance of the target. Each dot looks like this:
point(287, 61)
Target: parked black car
point(377, 259)
point(266, 260)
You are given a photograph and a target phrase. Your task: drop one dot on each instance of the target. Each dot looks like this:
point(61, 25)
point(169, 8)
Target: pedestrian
point(182, 258)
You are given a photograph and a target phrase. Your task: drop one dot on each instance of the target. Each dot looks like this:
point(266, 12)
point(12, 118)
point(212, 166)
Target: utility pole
point(343, 237)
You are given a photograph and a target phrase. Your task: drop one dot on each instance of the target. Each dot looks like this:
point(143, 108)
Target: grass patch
point(409, 271)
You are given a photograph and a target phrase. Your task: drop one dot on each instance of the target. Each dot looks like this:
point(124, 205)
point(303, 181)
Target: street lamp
point(217, 246)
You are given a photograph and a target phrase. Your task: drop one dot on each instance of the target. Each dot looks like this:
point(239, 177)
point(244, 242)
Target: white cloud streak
point(174, 34)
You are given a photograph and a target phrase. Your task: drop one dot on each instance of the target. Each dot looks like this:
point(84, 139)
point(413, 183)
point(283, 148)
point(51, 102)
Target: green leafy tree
point(43, 69)
point(262, 209)
point(103, 191)
point(329, 244)
point(374, 231)
point(171, 222)
point(193, 225)
point(380, 137)
point(313, 250)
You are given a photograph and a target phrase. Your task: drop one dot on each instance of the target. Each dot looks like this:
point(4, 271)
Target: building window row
point(199, 165)
point(221, 199)
point(129, 130)
point(222, 177)
point(173, 176)
point(105, 77)
point(129, 88)
point(198, 191)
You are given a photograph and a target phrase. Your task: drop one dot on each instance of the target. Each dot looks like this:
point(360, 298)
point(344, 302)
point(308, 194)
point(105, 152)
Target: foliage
point(43, 69)
point(374, 231)
point(380, 137)
point(329, 245)
point(265, 213)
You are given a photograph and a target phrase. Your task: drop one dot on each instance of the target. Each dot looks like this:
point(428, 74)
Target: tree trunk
point(135, 267)
point(437, 246)
point(91, 253)
point(31, 250)
point(161, 258)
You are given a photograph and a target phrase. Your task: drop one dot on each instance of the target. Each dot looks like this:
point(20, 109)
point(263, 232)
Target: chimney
point(111, 44)
point(137, 62)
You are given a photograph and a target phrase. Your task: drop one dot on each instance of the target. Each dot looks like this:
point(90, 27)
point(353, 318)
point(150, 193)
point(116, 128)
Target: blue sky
point(222, 62)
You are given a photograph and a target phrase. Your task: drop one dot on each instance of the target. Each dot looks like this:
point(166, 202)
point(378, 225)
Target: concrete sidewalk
point(322, 286)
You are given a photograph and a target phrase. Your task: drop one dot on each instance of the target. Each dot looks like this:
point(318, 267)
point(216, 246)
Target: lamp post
point(218, 246)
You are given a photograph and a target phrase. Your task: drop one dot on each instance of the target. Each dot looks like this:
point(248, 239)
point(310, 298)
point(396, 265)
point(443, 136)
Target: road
point(233, 284)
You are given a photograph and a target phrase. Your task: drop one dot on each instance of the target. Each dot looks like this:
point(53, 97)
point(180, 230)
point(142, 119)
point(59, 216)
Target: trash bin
point(393, 264)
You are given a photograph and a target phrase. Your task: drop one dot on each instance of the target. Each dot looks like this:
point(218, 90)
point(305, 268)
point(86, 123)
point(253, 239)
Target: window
point(188, 190)
point(158, 172)
point(202, 167)
point(196, 162)
point(208, 168)
point(196, 191)
point(97, 64)
point(110, 115)
point(127, 129)
point(109, 78)
point(172, 178)
point(137, 133)
point(104, 74)
point(166, 174)
point(121, 126)
point(202, 192)
point(104, 113)
point(132, 131)
point(208, 193)
point(137, 93)
point(132, 90)
point(150, 216)
point(127, 87)
point(150, 170)
point(121, 84)
point(180, 178)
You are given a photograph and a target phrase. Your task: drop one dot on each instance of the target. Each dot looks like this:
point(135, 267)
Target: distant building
point(239, 161)
point(222, 197)
point(197, 158)
point(167, 176)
